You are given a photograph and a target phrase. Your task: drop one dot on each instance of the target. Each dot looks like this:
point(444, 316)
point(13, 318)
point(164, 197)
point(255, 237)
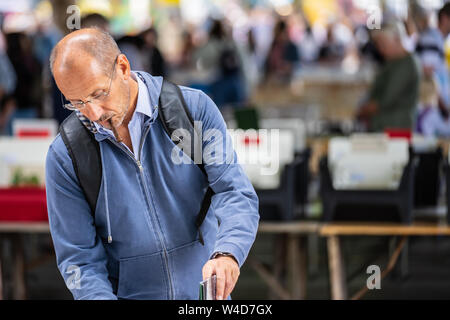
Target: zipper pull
point(140, 165)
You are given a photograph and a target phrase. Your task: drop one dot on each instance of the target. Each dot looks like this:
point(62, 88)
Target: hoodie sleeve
point(235, 202)
point(80, 254)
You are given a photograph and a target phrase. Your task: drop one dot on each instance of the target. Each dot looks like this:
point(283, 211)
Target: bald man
point(141, 242)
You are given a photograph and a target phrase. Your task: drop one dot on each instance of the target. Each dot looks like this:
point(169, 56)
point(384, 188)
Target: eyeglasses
point(78, 105)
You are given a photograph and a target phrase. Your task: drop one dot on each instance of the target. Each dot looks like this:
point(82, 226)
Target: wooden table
point(333, 232)
point(13, 232)
point(295, 248)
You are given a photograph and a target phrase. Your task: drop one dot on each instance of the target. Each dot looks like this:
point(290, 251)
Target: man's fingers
point(220, 283)
point(229, 284)
point(233, 277)
point(208, 270)
point(226, 272)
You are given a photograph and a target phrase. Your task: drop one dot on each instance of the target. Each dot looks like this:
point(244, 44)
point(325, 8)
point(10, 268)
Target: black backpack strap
point(174, 115)
point(84, 151)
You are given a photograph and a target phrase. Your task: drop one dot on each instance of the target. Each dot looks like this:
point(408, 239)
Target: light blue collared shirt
point(143, 108)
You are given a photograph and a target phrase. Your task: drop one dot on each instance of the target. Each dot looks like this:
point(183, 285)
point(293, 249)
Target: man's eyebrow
point(92, 93)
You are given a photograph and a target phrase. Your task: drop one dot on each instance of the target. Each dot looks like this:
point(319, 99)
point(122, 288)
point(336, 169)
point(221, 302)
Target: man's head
point(88, 67)
point(150, 37)
point(388, 40)
point(444, 19)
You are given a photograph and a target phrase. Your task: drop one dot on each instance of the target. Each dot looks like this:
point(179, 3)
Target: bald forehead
point(85, 48)
point(77, 65)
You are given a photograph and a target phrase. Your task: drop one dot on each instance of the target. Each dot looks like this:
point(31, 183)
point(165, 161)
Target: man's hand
point(227, 272)
point(367, 110)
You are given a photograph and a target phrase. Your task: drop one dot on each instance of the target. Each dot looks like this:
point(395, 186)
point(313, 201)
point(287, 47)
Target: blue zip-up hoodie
point(143, 242)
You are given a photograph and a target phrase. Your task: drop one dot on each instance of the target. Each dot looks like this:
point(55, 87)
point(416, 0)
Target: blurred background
point(359, 90)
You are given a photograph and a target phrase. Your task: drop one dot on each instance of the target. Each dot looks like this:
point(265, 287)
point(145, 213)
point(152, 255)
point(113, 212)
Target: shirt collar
point(143, 104)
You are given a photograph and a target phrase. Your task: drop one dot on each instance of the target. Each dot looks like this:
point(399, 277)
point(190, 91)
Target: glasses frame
point(99, 97)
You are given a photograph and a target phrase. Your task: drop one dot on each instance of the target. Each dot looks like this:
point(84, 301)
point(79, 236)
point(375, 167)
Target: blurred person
point(332, 51)
point(367, 48)
point(430, 121)
point(220, 58)
point(8, 81)
point(283, 55)
point(309, 48)
point(188, 47)
point(44, 40)
point(434, 120)
point(131, 46)
point(144, 223)
point(430, 50)
point(393, 96)
point(153, 60)
point(96, 20)
point(27, 96)
point(248, 56)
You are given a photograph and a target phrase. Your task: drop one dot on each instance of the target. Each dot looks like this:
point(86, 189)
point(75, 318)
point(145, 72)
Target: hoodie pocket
point(143, 277)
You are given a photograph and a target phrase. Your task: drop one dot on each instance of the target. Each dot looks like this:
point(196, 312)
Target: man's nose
point(95, 111)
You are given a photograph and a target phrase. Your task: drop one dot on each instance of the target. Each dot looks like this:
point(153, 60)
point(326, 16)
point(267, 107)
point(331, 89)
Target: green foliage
point(19, 179)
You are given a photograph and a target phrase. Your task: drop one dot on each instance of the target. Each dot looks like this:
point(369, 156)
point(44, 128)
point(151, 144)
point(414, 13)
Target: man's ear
point(124, 66)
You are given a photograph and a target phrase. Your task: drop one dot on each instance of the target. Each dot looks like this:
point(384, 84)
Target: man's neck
point(134, 92)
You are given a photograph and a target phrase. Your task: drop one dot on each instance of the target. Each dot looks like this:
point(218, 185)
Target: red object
point(251, 140)
point(40, 133)
point(23, 204)
point(399, 133)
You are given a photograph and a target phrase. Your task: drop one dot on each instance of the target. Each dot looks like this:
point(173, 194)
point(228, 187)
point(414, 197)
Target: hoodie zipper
point(141, 171)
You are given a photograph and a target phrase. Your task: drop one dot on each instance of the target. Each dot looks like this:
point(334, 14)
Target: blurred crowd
point(410, 89)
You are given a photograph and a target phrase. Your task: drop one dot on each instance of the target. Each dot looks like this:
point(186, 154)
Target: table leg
point(404, 267)
point(279, 291)
point(279, 264)
point(297, 266)
point(313, 254)
point(337, 270)
point(19, 286)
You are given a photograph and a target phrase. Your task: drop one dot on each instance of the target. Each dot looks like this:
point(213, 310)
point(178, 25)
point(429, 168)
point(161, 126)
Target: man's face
point(87, 81)
point(445, 24)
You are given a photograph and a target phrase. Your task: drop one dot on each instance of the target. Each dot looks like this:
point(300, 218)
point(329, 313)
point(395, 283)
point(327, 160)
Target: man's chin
point(116, 121)
point(105, 124)
point(111, 122)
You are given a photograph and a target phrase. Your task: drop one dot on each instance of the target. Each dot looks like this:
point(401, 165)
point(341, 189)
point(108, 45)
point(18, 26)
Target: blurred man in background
point(152, 58)
point(393, 96)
